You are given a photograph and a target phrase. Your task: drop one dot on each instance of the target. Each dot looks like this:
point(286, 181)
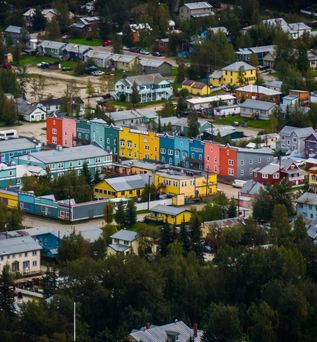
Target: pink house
point(60, 130)
point(211, 156)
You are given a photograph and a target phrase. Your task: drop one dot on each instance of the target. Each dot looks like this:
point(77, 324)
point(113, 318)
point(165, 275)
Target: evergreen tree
point(52, 30)
point(181, 73)
point(130, 214)
point(281, 228)
point(97, 178)
point(135, 97)
point(299, 232)
point(39, 21)
point(108, 212)
point(85, 172)
point(117, 44)
point(49, 282)
point(195, 234)
point(193, 125)
point(6, 292)
point(232, 209)
point(184, 238)
point(166, 239)
point(120, 215)
point(302, 59)
point(254, 60)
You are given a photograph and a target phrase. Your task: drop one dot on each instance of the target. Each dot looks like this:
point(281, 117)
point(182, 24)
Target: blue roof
point(124, 234)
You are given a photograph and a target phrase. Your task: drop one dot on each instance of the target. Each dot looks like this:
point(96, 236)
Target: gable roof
point(153, 63)
point(308, 198)
point(51, 44)
point(256, 104)
point(300, 132)
point(128, 182)
point(251, 187)
point(18, 245)
point(146, 79)
point(124, 234)
point(237, 66)
point(160, 333)
point(13, 29)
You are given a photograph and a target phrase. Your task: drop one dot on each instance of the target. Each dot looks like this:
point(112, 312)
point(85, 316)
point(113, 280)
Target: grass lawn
point(229, 120)
point(34, 60)
point(83, 41)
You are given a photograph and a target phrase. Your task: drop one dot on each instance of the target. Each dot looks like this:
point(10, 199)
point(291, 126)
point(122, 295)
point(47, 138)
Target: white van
point(8, 134)
point(238, 183)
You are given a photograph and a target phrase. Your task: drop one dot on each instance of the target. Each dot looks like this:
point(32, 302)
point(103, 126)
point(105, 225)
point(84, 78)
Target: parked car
point(134, 49)
point(97, 73)
point(107, 42)
point(90, 69)
point(43, 65)
point(144, 52)
point(156, 54)
point(238, 183)
point(66, 68)
point(225, 88)
point(236, 124)
point(106, 96)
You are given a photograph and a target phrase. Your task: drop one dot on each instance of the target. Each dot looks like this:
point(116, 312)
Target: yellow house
point(235, 74)
point(312, 179)
point(196, 88)
point(134, 144)
point(121, 187)
point(125, 62)
point(171, 215)
point(9, 198)
point(123, 242)
point(187, 184)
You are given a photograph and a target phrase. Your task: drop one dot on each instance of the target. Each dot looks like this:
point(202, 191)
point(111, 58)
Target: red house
point(60, 130)
point(228, 161)
point(274, 173)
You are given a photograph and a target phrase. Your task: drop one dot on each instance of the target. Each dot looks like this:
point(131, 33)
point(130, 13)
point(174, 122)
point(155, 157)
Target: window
point(54, 131)
point(276, 176)
point(177, 153)
point(230, 172)
point(250, 161)
point(230, 162)
point(241, 172)
point(259, 160)
point(34, 263)
point(121, 142)
point(147, 148)
point(242, 162)
point(163, 150)
point(170, 152)
point(265, 176)
point(54, 140)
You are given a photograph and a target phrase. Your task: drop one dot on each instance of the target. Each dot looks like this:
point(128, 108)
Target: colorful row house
point(12, 148)
point(60, 130)
point(134, 144)
point(64, 160)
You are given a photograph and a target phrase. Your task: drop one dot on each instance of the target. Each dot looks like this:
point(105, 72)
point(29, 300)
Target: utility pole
point(74, 321)
point(149, 198)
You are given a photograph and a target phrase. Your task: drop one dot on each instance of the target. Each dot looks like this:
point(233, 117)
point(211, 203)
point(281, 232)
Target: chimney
point(147, 325)
point(195, 328)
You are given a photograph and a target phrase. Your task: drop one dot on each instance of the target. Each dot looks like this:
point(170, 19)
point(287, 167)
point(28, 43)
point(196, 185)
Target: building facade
point(12, 148)
point(61, 130)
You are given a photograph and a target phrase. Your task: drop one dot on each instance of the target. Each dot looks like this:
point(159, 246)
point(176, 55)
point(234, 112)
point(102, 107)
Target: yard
point(88, 42)
point(34, 60)
point(229, 120)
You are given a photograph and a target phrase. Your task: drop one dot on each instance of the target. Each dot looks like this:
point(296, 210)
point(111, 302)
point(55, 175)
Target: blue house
point(181, 151)
point(12, 148)
point(196, 154)
point(167, 149)
point(97, 132)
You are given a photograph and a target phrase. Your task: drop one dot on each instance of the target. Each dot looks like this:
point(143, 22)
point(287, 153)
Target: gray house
point(307, 206)
point(257, 109)
point(292, 140)
point(249, 159)
point(16, 33)
point(51, 48)
point(150, 66)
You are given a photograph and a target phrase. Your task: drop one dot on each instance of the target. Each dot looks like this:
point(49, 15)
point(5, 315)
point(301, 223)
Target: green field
point(83, 41)
point(229, 120)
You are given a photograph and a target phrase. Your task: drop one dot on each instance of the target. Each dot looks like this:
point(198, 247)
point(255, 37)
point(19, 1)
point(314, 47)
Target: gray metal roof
point(198, 5)
point(258, 105)
point(124, 115)
point(126, 235)
point(71, 153)
point(252, 88)
point(300, 132)
point(13, 29)
point(153, 63)
point(168, 210)
point(18, 245)
point(51, 44)
point(146, 79)
point(308, 198)
point(16, 145)
point(128, 182)
point(237, 66)
point(251, 187)
point(159, 333)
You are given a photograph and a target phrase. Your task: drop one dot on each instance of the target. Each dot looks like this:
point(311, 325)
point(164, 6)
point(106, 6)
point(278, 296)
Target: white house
point(227, 110)
point(21, 254)
point(30, 112)
point(152, 87)
point(260, 109)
